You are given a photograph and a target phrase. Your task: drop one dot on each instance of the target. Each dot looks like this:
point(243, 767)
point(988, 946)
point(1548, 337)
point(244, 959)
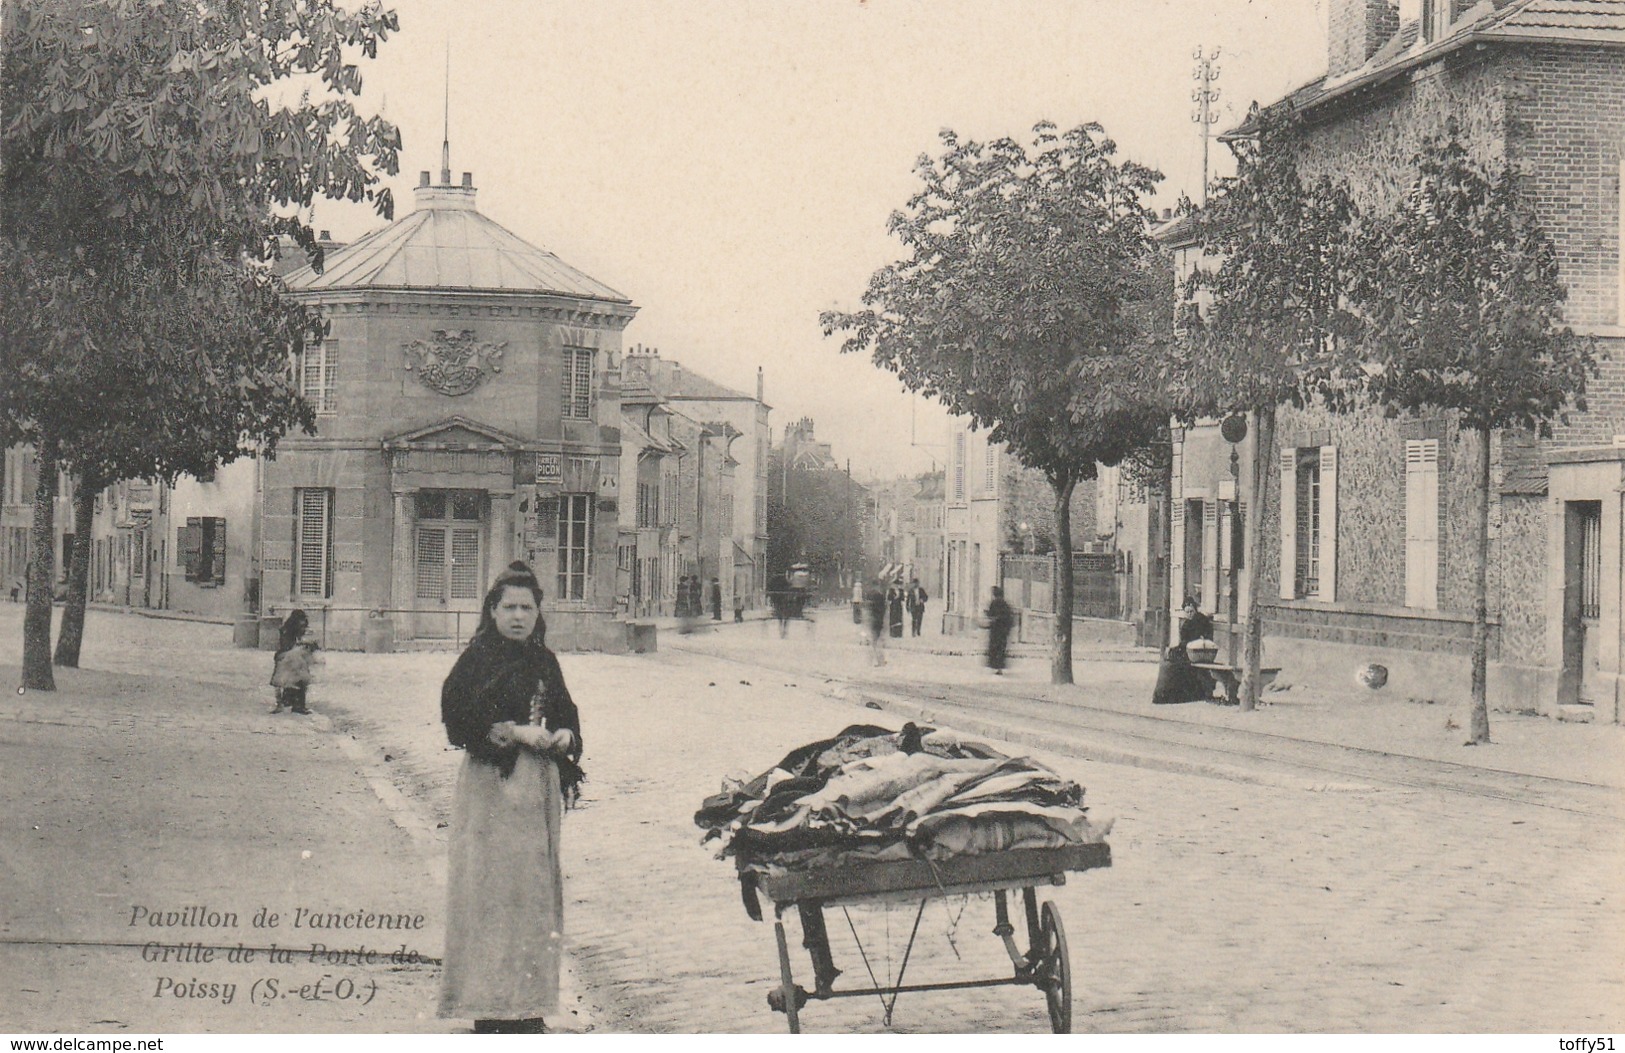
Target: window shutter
point(1210, 555)
point(1289, 523)
point(1176, 550)
point(313, 543)
point(1422, 523)
point(1328, 524)
point(217, 555)
point(189, 545)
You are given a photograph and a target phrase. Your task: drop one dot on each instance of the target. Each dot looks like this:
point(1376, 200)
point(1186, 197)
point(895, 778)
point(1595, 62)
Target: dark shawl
point(1198, 626)
point(493, 681)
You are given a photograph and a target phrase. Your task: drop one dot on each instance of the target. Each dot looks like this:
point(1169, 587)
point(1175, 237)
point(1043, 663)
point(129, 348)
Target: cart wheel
point(788, 993)
point(1055, 971)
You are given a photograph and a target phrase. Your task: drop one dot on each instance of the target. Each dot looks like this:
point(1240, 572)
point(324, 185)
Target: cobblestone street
point(1230, 906)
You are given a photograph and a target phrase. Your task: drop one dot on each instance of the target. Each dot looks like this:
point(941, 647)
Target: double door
point(448, 557)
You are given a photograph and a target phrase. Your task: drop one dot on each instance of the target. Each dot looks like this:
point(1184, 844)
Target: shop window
point(574, 545)
point(201, 545)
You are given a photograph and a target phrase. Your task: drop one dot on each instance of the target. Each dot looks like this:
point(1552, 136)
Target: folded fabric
point(868, 794)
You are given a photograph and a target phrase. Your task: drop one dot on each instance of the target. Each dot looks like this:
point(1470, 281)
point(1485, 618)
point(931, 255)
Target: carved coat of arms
point(453, 363)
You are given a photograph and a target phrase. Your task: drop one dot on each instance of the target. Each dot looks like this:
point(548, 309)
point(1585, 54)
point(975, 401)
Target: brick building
point(1372, 518)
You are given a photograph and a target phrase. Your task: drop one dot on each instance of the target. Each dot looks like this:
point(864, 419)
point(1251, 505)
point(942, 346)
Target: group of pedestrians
point(692, 595)
point(878, 611)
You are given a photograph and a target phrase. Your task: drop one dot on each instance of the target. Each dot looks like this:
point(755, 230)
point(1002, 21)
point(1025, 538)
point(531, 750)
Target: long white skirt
point(505, 916)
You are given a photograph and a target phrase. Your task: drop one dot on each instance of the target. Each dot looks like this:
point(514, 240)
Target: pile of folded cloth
point(871, 795)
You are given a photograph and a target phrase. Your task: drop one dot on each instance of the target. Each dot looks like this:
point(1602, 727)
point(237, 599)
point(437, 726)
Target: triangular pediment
point(452, 433)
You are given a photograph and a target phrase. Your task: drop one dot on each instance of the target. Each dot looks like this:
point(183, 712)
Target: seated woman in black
point(1177, 679)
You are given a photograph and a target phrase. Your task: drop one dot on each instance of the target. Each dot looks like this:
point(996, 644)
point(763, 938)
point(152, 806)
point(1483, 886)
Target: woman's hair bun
point(519, 566)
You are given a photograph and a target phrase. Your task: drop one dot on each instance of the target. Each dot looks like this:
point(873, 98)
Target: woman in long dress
point(1000, 620)
point(506, 704)
point(894, 610)
point(1178, 680)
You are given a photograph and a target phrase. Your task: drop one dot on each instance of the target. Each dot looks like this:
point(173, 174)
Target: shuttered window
point(1422, 523)
point(990, 469)
point(201, 545)
point(464, 581)
point(575, 545)
point(576, 384)
point(959, 466)
point(430, 561)
point(1309, 523)
point(313, 543)
point(318, 377)
point(1306, 567)
point(1591, 560)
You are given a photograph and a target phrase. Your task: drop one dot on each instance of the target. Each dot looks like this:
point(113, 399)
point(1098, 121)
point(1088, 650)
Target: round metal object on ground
point(1055, 971)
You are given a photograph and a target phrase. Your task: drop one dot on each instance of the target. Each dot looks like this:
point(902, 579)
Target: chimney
point(1356, 29)
point(468, 180)
point(423, 179)
point(759, 384)
point(326, 235)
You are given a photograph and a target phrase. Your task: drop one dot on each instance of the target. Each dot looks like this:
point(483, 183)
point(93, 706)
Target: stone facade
point(465, 419)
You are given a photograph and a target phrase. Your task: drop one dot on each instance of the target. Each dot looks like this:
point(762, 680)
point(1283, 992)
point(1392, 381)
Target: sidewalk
point(164, 835)
point(1356, 718)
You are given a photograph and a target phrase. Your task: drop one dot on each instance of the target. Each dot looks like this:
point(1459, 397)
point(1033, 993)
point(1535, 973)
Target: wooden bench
point(1229, 677)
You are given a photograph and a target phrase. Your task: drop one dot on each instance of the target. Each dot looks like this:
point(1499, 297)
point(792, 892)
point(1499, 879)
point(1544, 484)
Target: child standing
point(292, 673)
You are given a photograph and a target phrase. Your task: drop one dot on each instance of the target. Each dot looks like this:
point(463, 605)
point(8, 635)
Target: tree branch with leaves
point(1029, 299)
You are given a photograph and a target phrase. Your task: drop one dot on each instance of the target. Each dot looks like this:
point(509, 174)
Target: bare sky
point(730, 164)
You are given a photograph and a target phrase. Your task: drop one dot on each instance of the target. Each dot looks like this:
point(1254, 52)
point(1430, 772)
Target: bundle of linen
point(870, 795)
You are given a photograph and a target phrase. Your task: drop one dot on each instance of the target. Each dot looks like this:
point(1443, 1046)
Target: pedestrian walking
point(875, 607)
point(1178, 680)
point(916, 605)
point(999, 621)
point(857, 602)
point(716, 600)
point(739, 608)
point(506, 705)
point(291, 668)
point(894, 608)
point(778, 595)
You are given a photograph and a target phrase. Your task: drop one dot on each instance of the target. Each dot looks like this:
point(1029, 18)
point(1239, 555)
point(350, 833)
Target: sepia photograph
point(833, 517)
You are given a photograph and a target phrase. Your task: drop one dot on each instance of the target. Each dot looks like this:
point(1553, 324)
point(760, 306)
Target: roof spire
point(445, 142)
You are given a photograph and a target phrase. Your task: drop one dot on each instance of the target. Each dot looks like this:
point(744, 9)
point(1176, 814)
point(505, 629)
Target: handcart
point(1045, 964)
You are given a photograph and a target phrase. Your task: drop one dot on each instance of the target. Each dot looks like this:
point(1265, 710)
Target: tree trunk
point(1252, 650)
point(72, 631)
point(1479, 717)
point(1060, 667)
point(41, 575)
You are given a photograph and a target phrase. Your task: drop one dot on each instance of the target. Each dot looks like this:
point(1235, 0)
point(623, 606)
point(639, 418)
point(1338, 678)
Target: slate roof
point(445, 244)
point(1599, 21)
point(1549, 21)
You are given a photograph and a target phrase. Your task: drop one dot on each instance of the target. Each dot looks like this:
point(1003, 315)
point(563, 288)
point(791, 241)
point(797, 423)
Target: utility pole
point(1204, 96)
